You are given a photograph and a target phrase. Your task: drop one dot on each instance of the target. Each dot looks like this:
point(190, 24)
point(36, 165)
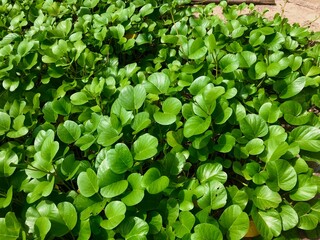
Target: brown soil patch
point(304, 12)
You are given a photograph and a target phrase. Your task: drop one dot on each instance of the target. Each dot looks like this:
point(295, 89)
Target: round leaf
point(206, 231)
point(68, 214)
point(214, 195)
point(196, 49)
point(145, 147)
point(235, 222)
point(281, 175)
point(154, 182)
point(120, 158)
point(42, 226)
point(88, 183)
point(305, 190)
point(132, 98)
point(134, 228)
point(211, 171)
point(253, 126)
point(195, 126)
point(255, 146)
point(69, 131)
point(157, 83)
point(268, 223)
point(229, 63)
point(264, 198)
point(115, 212)
point(289, 217)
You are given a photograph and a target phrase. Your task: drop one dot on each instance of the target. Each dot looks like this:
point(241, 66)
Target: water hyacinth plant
point(153, 119)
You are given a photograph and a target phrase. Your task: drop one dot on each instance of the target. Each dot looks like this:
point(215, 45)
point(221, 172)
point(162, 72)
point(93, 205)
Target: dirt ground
point(304, 12)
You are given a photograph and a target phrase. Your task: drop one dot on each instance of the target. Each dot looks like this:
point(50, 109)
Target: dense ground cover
point(156, 120)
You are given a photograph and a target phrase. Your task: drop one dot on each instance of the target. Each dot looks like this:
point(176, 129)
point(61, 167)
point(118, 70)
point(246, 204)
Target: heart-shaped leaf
point(145, 147)
point(134, 228)
point(154, 182)
point(88, 183)
point(69, 131)
point(132, 98)
point(120, 158)
point(115, 213)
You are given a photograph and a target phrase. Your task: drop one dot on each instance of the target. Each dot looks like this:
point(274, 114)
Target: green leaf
point(305, 190)
point(136, 195)
point(229, 63)
point(158, 83)
point(145, 147)
point(6, 200)
point(5, 122)
point(10, 227)
point(225, 143)
point(290, 86)
point(211, 171)
point(185, 224)
point(61, 106)
point(256, 38)
point(69, 131)
point(134, 228)
point(264, 198)
point(90, 3)
point(195, 126)
point(146, 10)
point(88, 183)
point(140, 122)
point(79, 98)
point(268, 223)
point(154, 182)
point(270, 112)
point(253, 126)
point(164, 118)
point(7, 157)
point(85, 141)
point(114, 189)
point(68, 214)
point(274, 149)
point(214, 195)
point(273, 69)
point(24, 47)
point(120, 158)
point(206, 231)
point(307, 137)
point(281, 175)
point(196, 49)
point(115, 213)
point(289, 217)
point(42, 227)
point(132, 98)
point(211, 43)
point(234, 222)
point(246, 59)
point(170, 107)
point(237, 197)
point(255, 146)
point(173, 164)
point(198, 84)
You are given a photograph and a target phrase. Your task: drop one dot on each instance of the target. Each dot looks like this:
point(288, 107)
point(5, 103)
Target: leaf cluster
point(153, 119)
